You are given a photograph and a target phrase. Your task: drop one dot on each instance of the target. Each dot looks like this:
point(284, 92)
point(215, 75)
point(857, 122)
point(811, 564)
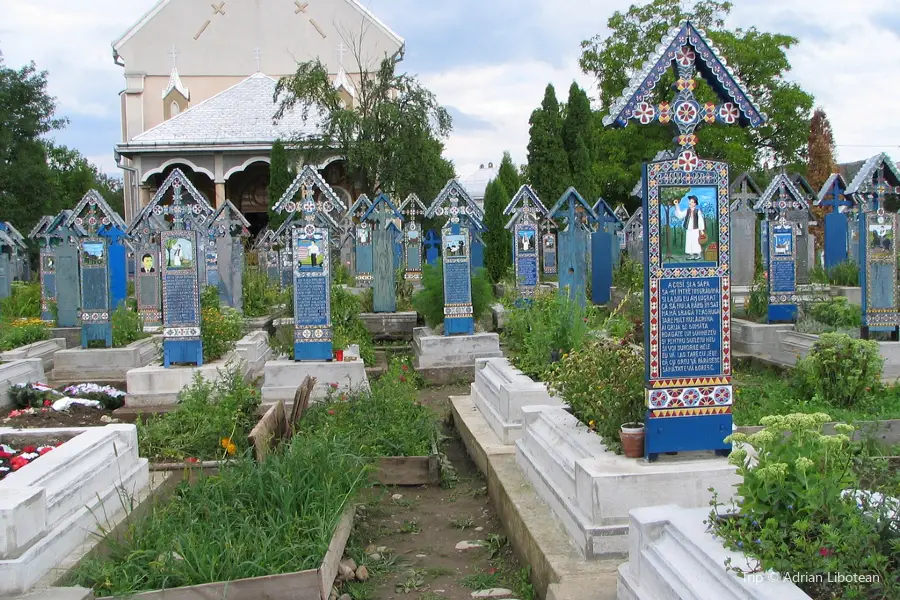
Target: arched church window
point(174, 109)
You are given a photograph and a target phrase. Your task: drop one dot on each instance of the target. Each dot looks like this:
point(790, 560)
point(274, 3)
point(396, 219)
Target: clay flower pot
point(632, 437)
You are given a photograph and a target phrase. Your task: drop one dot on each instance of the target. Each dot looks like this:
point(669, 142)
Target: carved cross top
point(179, 212)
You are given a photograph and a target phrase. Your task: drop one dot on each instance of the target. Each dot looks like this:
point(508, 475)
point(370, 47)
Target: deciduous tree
point(281, 175)
point(820, 150)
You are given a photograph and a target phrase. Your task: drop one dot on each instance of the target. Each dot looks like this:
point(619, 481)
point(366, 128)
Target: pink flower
point(330, 411)
point(825, 552)
point(404, 367)
point(15, 413)
point(334, 386)
point(191, 459)
point(47, 402)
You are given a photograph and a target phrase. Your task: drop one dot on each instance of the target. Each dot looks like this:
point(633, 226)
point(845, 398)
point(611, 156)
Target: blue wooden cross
point(836, 221)
point(604, 251)
point(104, 270)
point(383, 218)
point(573, 243)
point(432, 244)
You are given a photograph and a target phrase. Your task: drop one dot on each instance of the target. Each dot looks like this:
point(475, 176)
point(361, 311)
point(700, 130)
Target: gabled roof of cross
point(744, 193)
point(359, 207)
point(781, 195)
point(863, 182)
point(413, 202)
point(522, 198)
point(194, 209)
point(827, 192)
point(636, 221)
point(14, 234)
point(262, 238)
point(84, 213)
point(6, 240)
point(310, 178)
point(602, 209)
point(804, 186)
point(40, 227)
point(572, 200)
point(60, 221)
point(381, 201)
point(520, 215)
point(229, 212)
point(711, 65)
point(622, 213)
point(452, 193)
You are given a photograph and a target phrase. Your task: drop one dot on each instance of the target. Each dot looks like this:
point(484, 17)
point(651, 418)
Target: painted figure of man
point(147, 264)
point(694, 226)
point(314, 254)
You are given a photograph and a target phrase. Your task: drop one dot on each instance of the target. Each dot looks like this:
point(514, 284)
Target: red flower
point(191, 459)
point(334, 386)
point(825, 552)
point(402, 378)
point(45, 450)
point(29, 449)
point(47, 402)
point(404, 367)
point(330, 411)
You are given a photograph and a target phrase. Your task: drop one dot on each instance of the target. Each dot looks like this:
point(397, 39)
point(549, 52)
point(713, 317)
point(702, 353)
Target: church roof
point(476, 183)
point(241, 114)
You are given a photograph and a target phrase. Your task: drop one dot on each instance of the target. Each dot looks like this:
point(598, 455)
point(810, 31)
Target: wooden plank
point(302, 585)
point(301, 401)
point(329, 568)
point(268, 432)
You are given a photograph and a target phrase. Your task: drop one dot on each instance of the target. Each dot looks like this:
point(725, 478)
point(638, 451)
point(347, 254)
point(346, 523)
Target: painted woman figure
point(176, 256)
point(694, 226)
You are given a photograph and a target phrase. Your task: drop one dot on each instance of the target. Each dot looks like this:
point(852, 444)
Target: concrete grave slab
point(26, 370)
point(443, 358)
point(103, 364)
point(284, 376)
point(45, 350)
point(390, 326)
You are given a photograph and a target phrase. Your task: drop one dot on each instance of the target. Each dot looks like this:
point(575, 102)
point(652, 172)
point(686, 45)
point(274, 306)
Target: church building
point(200, 78)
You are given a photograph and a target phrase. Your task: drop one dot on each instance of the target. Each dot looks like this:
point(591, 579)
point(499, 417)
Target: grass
point(765, 391)
point(249, 520)
point(387, 421)
point(208, 414)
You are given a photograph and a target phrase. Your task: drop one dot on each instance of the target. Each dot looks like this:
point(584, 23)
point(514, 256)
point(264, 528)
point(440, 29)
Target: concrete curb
point(558, 571)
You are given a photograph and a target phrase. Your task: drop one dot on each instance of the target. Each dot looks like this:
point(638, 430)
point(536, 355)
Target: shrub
point(259, 293)
point(347, 327)
point(629, 275)
point(544, 329)
point(756, 305)
point(22, 332)
point(603, 383)
point(220, 327)
point(836, 312)
point(429, 301)
point(24, 302)
point(844, 274)
point(127, 326)
point(207, 414)
point(797, 511)
point(840, 370)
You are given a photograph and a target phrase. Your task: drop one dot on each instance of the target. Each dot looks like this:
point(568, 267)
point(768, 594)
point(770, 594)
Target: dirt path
point(410, 538)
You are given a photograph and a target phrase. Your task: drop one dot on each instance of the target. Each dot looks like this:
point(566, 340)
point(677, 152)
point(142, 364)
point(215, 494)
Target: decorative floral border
point(881, 317)
point(689, 397)
point(320, 332)
point(782, 298)
point(193, 272)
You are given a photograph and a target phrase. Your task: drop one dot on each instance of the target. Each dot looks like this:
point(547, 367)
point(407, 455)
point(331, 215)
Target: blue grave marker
point(382, 217)
point(779, 245)
point(837, 219)
point(182, 213)
point(362, 247)
point(454, 202)
point(686, 283)
point(18, 258)
point(66, 277)
point(604, 251)
point(311, 223)
point(227, 232)
point(432, 247)
point(573, 243)
point(144, 232)
point(878, 233)
point(464, 221)
point(527, 211)
point(548, 249)
point(7, 245)
point(413, 210)
point(46, 265)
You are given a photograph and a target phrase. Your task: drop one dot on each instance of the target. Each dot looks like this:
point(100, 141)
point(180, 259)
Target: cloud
point(466, 122)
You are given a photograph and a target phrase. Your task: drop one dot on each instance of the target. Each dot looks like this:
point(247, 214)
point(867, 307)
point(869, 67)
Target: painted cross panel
point(96, 324)
point(182, 343)
point(458, 312)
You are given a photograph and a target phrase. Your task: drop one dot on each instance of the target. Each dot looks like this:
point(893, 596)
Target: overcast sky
point(488, 61)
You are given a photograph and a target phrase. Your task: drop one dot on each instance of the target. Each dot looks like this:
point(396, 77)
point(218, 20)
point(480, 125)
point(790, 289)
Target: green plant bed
point(762, 391)
point(386, 421)
point(247, 520)
point(21, 332)
point(212, 421)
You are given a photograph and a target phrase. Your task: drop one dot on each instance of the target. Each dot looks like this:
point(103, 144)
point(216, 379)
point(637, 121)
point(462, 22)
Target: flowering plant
point(12, 460)
point(22, 332)
point(794, 514)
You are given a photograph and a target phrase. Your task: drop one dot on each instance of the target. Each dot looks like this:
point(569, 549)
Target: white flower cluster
point(93, 388)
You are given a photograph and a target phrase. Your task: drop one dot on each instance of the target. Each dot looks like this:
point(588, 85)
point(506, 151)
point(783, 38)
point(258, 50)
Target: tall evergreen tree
point(820, 147)
point(280, 178)
point(548, 164)
point(497, 241)
point(509, 174)
point(577, 134)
